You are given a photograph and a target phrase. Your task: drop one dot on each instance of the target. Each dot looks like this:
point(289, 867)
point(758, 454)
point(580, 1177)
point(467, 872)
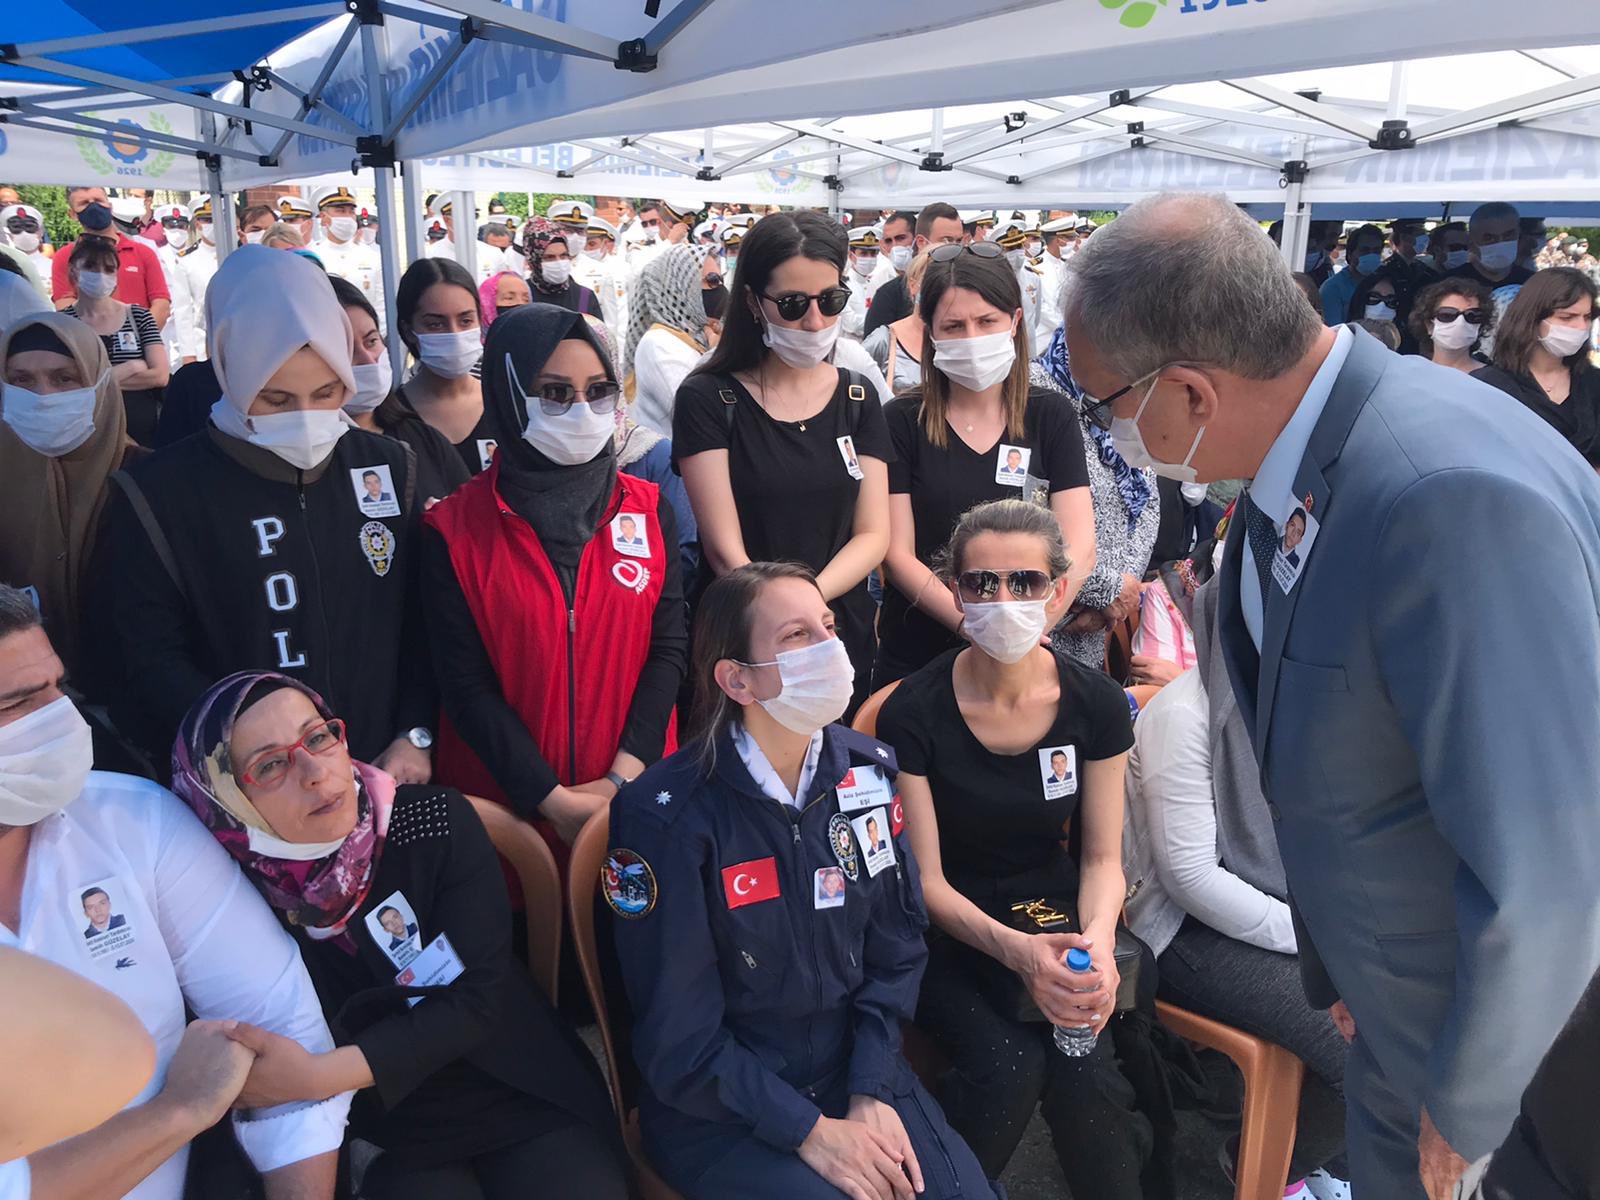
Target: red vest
point(569, 674)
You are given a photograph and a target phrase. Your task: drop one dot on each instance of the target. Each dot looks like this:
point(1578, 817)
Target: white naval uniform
point(168, 257)
point(196, 265)
point(357, 264)
point(854, 318)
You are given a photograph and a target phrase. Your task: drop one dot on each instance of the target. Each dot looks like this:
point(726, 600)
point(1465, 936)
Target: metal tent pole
point(466, 222)
point(411, 201)
point(1296, 214)
point(374, 52)
point(224, 218)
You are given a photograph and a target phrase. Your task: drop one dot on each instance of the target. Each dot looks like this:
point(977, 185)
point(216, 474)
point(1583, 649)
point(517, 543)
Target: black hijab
point(564, 505)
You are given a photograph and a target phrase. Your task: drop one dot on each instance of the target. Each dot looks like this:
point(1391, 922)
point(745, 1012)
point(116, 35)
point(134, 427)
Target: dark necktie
point(1262, 535)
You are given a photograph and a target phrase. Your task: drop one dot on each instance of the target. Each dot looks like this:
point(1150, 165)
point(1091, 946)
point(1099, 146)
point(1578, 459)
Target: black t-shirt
point(945, 483)
point(890, 303)
point(478, 447)
point(1002, 815)
point(792, 482)
point(1469, 270)
point(1577, 418)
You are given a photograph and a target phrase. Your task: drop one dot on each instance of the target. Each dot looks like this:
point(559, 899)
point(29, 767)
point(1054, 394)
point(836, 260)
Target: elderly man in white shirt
point(113, 878)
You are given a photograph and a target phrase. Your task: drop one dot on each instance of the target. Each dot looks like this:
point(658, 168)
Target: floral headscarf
point(537, 233)
point(320, 894)
point(1132, 485)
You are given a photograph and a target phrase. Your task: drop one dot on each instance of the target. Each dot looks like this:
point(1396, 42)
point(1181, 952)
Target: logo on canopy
point(128, 152)
point(781, 176)
point(1134, 15)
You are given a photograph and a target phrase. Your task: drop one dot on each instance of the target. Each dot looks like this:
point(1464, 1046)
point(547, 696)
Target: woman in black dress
point(783, 454)
point(466, 1077)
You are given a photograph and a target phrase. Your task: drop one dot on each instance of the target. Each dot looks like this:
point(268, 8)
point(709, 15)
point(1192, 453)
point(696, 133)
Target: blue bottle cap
point(1079, 960)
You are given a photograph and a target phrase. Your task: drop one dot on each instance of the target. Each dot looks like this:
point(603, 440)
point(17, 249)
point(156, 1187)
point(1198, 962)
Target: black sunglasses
point(1474, 316)
point(979, 587)
point(792, 306)
point(557, 398)
point(950, 251)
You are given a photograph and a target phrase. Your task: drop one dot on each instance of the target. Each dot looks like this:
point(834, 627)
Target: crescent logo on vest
point(631, 574)
point(750, 882)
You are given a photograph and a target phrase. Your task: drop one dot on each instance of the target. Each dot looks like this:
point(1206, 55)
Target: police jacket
point(752, 991)
point(216, 556)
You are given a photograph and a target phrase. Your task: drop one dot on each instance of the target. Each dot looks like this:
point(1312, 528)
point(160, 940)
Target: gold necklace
point(762, 377)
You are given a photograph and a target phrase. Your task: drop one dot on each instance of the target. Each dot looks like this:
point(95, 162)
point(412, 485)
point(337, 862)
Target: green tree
point(59, 224)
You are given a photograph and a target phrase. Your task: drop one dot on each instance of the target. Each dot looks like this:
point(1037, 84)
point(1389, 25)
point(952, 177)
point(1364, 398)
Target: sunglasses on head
point(980, 587)
point(1474, 316)
point(792, 306)
point(950, 251)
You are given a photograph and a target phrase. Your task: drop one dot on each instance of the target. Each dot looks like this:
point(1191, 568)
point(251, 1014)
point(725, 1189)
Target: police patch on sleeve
point(628, 883)
point(377, 543)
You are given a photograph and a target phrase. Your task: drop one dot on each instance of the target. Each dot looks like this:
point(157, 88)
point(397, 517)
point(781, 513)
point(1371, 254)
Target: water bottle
point(1075, 1041)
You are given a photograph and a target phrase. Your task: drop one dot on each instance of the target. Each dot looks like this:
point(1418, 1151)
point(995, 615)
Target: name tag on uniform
point(436, 966)
point(862, 788)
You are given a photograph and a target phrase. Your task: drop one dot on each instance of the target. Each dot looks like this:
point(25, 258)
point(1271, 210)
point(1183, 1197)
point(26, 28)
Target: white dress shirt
point(755, 760)
point(1170, 839)
point(1272, 489)
point(184, 925)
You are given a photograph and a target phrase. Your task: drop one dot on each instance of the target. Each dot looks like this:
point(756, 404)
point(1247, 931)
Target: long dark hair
point(996, 284)
point(1548, 290)
point(722, 630)
point(775, 239)
point(419, 277)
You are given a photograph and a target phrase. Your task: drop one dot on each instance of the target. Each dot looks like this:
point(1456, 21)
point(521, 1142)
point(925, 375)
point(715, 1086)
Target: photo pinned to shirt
point(630, 535)
point(1011, 465)
point(394, 927)
point(1299, 532)
point(827, 887)
point(863, 788)
point(486, 449)
point(127, 341)
point(1058, 768)
point(874, 837)
point(99, 909)
point(374, 488)
point(847, 451)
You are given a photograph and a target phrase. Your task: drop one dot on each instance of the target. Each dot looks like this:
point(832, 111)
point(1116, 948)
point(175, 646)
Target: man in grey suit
point(1422, 690)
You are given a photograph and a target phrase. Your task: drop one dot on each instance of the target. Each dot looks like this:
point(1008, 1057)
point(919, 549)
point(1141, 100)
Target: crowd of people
point(909, 604)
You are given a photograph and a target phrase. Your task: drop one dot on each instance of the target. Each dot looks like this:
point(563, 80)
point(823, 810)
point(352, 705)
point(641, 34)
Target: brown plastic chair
point(583, 880)
point(535, 867)
point(867, 715)
point(1272, 1079)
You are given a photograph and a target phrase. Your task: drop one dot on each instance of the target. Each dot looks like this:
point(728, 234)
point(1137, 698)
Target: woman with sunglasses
point(1543, 355)
point(465, 1076)
point(784, 455)
point(974, 431)
point(1003, 748)
point(1450, 319)
point(553, 590)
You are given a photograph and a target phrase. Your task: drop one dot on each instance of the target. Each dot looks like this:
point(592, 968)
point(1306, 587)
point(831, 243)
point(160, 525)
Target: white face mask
point(1497, 256)
point(96, 284)
point(800, 348)
point(1454, 335)
point(1563, 342)
point(1456, 258)
point(1193, 493)
point(368, 236)
point(817, 685)
point(53, 424)
point(596, 255)
point(303, 438)
point(253, 238)
point(1016, 258)
point(45, 759)
point(900, 257)
point(26, 242)
point(864, 266)
point(207, 234)
point(372, 385)
point(1005, 630)
point(1034, 249)
point(557, 271)
point(979, 362)
point(450, 355)
point(1380, 312)
point(177, 238)
point(342, 229)
point(568, 438)
point(1130, 444)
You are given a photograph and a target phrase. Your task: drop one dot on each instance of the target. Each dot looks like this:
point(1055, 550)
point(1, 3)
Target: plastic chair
point(1272, 1079)
point(535, 867)
point(867, 715)
point(583, 880)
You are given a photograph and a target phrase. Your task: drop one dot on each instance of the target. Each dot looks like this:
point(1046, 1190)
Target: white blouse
point(178, 922)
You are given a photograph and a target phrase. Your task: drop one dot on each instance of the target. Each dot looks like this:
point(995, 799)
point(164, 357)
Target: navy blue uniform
point(760, 1004)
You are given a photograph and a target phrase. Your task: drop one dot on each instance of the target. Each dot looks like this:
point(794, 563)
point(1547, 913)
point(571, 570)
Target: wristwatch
point(617, 781)
point(421, 737)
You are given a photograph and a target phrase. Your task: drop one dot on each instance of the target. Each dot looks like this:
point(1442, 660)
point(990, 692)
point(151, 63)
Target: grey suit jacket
point(1426, 712)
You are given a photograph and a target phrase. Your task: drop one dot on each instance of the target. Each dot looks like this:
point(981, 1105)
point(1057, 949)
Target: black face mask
point(715, 300)
point(96, 218)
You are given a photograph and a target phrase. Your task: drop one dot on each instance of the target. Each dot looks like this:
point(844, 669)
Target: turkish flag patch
point(897, 815)
point(750, 882)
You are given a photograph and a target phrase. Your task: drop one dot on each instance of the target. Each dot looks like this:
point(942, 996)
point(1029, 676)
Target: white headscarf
point(262, 306)
point(18, 299)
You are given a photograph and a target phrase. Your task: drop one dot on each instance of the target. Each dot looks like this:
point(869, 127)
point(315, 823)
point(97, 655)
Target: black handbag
point(1050, 914)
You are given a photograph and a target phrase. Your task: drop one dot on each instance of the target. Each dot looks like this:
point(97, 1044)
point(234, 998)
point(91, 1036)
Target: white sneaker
point(1326, 1187)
